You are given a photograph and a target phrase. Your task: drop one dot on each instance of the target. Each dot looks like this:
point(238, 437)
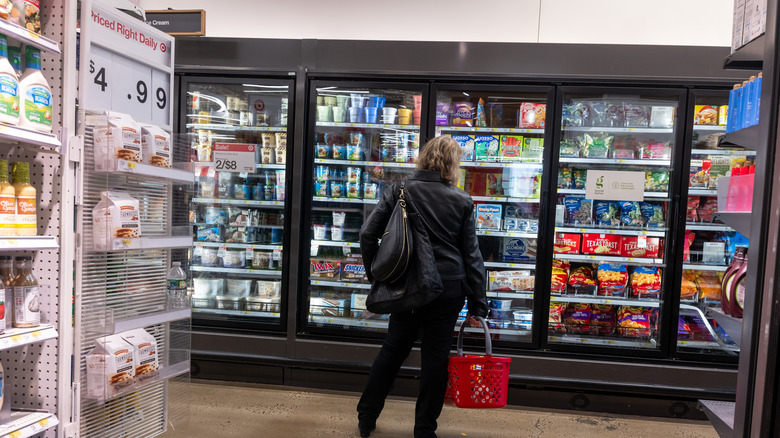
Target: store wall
point(657, 22)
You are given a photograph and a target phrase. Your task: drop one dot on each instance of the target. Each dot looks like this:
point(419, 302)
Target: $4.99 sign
point(234, 157)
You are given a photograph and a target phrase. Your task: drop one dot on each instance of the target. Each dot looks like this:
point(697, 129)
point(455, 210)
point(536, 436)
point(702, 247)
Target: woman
point(450, 210)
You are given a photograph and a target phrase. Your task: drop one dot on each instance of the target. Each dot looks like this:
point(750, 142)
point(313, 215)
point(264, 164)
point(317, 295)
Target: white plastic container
point(35, 92)
point(9, 87)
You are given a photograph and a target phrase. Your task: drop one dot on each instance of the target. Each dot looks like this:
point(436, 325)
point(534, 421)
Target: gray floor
point(244, 410)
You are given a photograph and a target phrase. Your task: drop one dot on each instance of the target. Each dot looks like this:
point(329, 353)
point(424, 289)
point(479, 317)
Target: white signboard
point(126, 65)
point(235, 157)
point(613, 185)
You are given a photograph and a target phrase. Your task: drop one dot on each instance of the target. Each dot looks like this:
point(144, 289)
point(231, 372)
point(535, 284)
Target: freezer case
point(709, 245)
point(616, 155)
point(239, 209)
point(364, 137)
point(502, 133)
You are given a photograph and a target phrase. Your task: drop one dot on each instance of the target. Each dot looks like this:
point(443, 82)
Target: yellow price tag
point(34, 35)
point(17, 338)
point(44, 422)
point(37, 334)
point(15, 434)
point(131, 164)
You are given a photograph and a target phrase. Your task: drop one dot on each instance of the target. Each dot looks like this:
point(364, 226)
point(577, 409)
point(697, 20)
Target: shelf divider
point(738, 221)
point(748, 57)
point(729, 324)
point(745, 137)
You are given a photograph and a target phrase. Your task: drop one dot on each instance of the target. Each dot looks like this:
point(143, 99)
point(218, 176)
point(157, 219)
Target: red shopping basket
point(478, 382)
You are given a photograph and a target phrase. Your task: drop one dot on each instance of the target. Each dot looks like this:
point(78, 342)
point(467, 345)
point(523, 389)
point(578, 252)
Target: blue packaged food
point(653, 214)
point(322, 173)
point(321, 189)
point(353, 153)
point(631, 214)
point(208, 234)
point(339, 152)
point(370, 191)
point(336, 189)
point(579, 211)
point(607, 213)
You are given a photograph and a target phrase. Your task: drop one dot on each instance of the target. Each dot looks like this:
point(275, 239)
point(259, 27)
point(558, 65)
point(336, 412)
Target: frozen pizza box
point(510, 281)
point(567, 243)
point(326, 269)
point(640, 246)
point(519, 250)
point(601, 244)
point(353, 270)
point(489, 216)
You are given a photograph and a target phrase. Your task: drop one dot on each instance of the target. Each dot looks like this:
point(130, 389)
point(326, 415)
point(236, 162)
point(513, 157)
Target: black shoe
point(366, 429)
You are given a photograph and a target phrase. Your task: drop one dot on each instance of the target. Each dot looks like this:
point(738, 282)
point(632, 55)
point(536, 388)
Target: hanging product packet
point(631, 214)
point(646, 282)
point(116, 216)
point(118, 139)
point(607, 213)
point(156, 145)
point(602, 320)
point(612, 278)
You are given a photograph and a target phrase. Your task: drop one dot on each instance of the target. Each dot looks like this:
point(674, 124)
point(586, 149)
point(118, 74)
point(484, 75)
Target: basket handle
point(488, 342)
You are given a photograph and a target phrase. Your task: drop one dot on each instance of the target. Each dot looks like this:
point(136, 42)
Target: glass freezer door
point(609, 264)
point(366, 136)
point(238, 216)
point(501, 132)
point(710, 245)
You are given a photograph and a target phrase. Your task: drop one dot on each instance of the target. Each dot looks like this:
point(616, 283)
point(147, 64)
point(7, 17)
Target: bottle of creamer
point(36, 94)
point(9, 87)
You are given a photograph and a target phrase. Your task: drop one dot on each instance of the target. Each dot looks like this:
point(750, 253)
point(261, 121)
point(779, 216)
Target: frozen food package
point(637, 115)
point(688, 288)
point(601, 244)
point(579, 211)
point(707, 210)
point(532, 115)
point(581, 281)
point(634, 322)
point(598, 145)
point(564, 178)
point(578, 178)
point(533, 149)
point(496, 113)
point(569, 148)
point(442, 114)
point(327, 306)
point(656, 150)
point(691, 214)
point(480, 121)
point(566, 243)
point(653, 214)
point(520, 250)
point(700, 173)
point(147, 364)
point(576, 318)
point(657, 180)
point(156, 144)
point(689, 237)
point(466, 142)
point(116, 216)
point(602, 320)
point(510, 280)
point(325, 268)
point(353, 270)
point(119, 139)
point(555, 321)
point(486, 147)
point(511, 147)
point(709, 284)
point(462, 114)
point(720, 166)
point(560, 276)
point(489, 216)
point(705, 115)
point(662, 116)
point(646, 282)
point(631, 214)
point(607, 213)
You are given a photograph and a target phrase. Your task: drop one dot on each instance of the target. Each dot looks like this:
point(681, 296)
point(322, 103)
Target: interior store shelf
point(366, 125)
point(147, 320)
point(707, 227)
point(25, 424)
point(582, 192)
point(616, 130)
point(503, 164)
point(729, 324)
point(154, 242)
point(748, 57)
point(440, 129)
point(603, 341)
point(722, 152)
point(626, 161)
point(170, 174)
point(720, 414)
point(166, 373)
point(703, 267)
point(738, 221)
point(17, 135)
point(29, 38)
point(715, 128)
point(246, 271)
point(223, 127)
point(270, 166)
point(498, 233)
point(510, 265)
point(28, 243)
point(363, 163)
point(335, 243)
point(348, 200)
point(609, 259)
point(244, 202)
point(16, 337)
point(237, 312)
point(511, 295)
point(745, 137)
point(349, 322)
point(340, 284)
point(604, 300)
point(702, 192)
point(655, 232)
point(505, 199)
point(238, 245)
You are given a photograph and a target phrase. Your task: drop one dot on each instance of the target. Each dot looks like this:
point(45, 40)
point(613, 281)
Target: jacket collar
point(427, 175)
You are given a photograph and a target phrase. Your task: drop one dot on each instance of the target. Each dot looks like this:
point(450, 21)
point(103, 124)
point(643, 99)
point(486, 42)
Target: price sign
point(128, 65)
point(234, 157)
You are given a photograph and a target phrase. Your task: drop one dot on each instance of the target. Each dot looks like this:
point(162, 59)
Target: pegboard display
point(32, 371)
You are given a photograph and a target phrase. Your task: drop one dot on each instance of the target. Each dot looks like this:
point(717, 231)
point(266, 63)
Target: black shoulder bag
point(420, 283)
point(395, 252)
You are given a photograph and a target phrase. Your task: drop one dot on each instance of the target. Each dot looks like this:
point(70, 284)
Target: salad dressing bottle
point(35, 94)
point(7, 203)
point(27, 301)
point(26, 210)
point(7, 283)
point(9, 87)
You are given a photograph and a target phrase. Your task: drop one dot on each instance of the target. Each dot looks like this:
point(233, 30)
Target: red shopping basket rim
point(482, 359)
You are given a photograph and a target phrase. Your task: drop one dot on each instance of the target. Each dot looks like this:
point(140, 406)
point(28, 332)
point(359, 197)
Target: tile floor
point(219, 409)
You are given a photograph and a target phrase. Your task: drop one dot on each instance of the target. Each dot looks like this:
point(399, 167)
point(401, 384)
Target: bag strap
point(422, 217)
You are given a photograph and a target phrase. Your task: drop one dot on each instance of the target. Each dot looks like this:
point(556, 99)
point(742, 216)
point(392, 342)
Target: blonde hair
point(442, 154)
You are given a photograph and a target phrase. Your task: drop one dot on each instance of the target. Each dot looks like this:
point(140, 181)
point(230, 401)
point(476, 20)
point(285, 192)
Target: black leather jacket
point(450, 211)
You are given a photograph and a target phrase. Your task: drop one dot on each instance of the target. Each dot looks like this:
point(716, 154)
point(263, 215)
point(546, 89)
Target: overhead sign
point(235, 157)
point(191, 22)
point(125, 65)
point(613, 185)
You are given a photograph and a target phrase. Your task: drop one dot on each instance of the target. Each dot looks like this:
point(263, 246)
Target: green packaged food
point(578, 177)
point(570, 149)
point(657, 181)
point(564, 178)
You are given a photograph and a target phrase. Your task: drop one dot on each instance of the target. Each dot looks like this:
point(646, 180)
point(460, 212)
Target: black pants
point(436, 323)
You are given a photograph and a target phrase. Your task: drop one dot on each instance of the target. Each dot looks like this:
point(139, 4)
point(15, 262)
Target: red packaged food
point(691, 214)
point(707, 210)
point(582, 281)
point(689, 236)
point(602, 319)
point(600, 244)
point(532, 115)
point(640, 246)
point(566, 243)
point(560, 275)
point(634, 322)
point(556, 316)
point(646, 282)
point(576, 318)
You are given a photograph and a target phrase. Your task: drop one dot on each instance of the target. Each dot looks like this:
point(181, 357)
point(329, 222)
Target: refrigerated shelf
point(363, 163)
point(350, 200)
point(238, 245)
point(16, 337)
point(162, 317)
point(656, 232)
point(25, 424)
point(367, 125)
point(335, 243)
point(707, 227)
point(604, 300)
point(626, 161)
point(510, 265)
point(715, 128)
point(28, 243)
point(582, 192)
point(237, 312)
point(340, 284)
point(703, 267)
point(503, 164)
point(511, 295)
point(745, 137)
point(141, 169)
point(223, 127)
point(617, 130)
point(247, 271)
point(349, 322)
point(722, 152)
point(244, 202)
point(440, 129)
point(498, 233)
point(505, 199)
point(602, 341)
point(271, 166)
point(609, 259)
point(702, 192)
point(729, 324)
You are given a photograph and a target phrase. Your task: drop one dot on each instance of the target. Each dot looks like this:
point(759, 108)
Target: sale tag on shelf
point(235, 157)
